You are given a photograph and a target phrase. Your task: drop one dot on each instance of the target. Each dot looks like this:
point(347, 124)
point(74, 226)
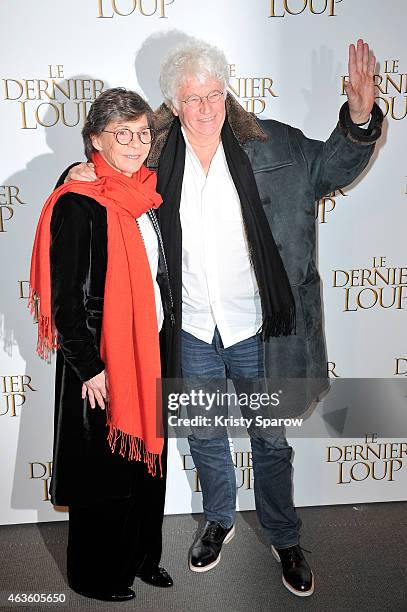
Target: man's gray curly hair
point(196, 59)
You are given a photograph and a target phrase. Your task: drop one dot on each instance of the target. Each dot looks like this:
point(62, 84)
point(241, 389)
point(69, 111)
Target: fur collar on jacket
point(244, 126)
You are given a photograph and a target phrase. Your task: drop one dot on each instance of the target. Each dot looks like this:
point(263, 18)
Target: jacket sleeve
point(339, 161)
point(70, 261)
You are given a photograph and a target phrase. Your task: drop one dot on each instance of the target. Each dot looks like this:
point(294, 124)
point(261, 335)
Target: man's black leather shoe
point(205, 552)
point(297, 575)
point(157, 576)
point(118, 595)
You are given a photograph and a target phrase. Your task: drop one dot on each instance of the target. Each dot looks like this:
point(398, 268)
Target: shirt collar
point(219, 153)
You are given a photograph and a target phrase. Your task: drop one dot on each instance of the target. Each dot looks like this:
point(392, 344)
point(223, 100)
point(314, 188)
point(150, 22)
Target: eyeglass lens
point(126, 136)
point(212, 97)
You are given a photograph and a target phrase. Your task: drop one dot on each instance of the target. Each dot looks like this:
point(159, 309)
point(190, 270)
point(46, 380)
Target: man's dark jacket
point(291, 172)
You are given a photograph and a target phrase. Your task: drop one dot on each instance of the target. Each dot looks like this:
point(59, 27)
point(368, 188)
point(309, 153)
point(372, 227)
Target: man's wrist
point(365, 122)
point(361, 120)
point(361, 135)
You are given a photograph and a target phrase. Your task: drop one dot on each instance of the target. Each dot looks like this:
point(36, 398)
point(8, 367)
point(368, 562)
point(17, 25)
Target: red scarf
point(129, 342)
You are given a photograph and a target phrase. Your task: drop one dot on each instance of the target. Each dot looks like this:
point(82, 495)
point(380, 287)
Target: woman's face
point(126, 158)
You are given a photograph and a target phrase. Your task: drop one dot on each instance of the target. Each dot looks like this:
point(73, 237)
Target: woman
point(93, 280)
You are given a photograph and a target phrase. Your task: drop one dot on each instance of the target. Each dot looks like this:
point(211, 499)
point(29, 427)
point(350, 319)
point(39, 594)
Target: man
point(239, 231)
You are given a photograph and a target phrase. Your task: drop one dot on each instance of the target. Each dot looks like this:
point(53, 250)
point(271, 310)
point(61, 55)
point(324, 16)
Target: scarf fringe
point(278, 325)
point(132, 448)
point(47, 335)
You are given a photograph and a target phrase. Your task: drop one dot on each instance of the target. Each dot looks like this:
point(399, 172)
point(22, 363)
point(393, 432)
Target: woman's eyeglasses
point(125, 136)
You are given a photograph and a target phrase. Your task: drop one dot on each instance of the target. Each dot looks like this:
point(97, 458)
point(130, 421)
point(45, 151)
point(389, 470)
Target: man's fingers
point(372, 66)
point(348, 88)
point(82, 172)
point(359, 55)
point(82, 176)
point(365, 59)
point(352, 61)
point(90, 171)
point(84, 390)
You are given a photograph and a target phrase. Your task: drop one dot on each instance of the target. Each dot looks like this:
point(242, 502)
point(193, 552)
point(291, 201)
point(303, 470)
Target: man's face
point(206, 119)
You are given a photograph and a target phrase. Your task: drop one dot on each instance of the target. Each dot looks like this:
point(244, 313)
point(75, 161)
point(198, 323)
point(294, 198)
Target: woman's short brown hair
point(113, 105)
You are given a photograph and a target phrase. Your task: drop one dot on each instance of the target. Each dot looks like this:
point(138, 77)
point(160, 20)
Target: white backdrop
point(288, 59)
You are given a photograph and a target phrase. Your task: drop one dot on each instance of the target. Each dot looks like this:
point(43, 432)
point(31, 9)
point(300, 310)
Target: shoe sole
point(100, 597)
point(214, 563)
point(287, 585)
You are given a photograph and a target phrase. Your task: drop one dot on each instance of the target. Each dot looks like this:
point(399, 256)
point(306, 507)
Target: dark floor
point(358, 556)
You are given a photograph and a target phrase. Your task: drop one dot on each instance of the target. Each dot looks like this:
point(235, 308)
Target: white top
point(151, 244)
point(218, 282)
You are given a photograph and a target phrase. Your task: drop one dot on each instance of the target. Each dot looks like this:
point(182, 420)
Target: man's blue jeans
point(271, 456)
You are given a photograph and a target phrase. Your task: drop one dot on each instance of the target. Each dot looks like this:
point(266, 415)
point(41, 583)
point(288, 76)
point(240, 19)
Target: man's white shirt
point(219, 287)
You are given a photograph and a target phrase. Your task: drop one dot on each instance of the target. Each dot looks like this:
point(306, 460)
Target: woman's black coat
point(84, 468)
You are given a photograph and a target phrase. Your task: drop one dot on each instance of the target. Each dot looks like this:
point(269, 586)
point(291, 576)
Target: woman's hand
point(360, 87)
point(97, 390)
point(81, 172)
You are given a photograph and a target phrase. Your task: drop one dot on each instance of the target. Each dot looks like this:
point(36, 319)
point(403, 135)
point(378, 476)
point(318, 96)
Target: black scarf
point(277, 301)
